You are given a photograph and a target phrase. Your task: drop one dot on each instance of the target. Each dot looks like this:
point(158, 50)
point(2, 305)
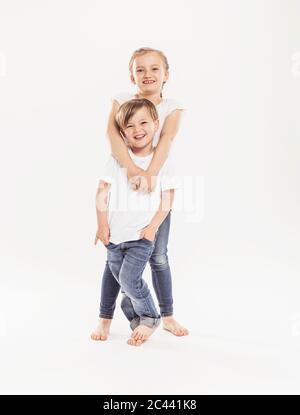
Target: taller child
point(149, 71)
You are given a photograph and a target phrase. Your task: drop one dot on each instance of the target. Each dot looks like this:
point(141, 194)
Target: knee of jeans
point(159, 261)
point(128, 287)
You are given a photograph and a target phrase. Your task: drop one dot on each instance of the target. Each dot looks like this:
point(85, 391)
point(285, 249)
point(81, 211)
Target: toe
point(134, 333)
point(131, 342)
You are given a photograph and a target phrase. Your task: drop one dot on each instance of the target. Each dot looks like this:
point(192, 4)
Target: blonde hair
point(129, 108)
point(143, 51)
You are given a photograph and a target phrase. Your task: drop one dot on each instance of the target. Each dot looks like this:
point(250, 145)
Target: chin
point(148, 87)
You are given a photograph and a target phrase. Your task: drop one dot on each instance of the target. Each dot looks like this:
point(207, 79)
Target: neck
point(155, 97)
point(143, 152)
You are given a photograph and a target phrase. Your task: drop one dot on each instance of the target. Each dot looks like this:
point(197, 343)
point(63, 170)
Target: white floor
point(46, 349)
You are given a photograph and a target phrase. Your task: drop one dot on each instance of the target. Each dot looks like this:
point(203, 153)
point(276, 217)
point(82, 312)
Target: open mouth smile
point(140, 136)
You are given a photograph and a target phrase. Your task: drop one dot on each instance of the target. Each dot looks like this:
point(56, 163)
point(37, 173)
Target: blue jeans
point(127, 262)
point(161, 277)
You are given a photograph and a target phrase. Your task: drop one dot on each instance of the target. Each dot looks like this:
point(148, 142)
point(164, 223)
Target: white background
point(236, 66)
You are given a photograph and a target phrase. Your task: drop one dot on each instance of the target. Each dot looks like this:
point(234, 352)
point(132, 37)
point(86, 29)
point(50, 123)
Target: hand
point(145, 182)
point(103, 233)
point(148, 233)
point(134, 178)
point(141, 180)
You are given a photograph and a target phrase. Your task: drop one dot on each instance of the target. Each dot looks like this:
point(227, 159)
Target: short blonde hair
point(129, 108)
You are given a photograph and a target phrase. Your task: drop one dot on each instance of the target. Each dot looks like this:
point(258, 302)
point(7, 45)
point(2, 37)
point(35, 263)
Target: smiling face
point(140, 129)
point(149, 72)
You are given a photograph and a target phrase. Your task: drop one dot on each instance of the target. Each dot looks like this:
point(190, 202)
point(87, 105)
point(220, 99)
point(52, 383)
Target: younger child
point(128, 221)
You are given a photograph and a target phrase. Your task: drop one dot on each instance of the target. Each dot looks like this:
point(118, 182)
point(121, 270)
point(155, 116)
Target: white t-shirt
point(130, 211)
point(164, 108)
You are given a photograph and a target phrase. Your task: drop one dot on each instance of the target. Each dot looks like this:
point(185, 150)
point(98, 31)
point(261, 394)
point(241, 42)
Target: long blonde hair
point(143, 51)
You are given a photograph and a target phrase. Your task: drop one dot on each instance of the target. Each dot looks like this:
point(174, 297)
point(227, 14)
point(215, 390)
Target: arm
point(118, 147)
point(169, 131)
point(167, 197)
point(101, 210)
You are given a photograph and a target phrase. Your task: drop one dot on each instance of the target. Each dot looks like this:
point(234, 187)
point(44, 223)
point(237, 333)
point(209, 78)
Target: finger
point(136, 182)
point(134, 179)
point(142, 188)
point(133, 185)
point(96, 240)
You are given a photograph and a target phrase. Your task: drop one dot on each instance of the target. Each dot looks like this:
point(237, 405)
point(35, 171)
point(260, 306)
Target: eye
point(155, 69)
point(129, 126)
point(139, 70)
point(144, 122)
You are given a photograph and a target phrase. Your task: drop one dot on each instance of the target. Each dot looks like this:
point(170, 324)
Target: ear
point(124, 138)
point(166, 77)
point(156, 123)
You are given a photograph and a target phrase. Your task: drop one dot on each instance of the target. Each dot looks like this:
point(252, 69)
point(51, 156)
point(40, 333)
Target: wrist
point(151, 171)
point(102, 222)
point(153, 227)
point(133, 171)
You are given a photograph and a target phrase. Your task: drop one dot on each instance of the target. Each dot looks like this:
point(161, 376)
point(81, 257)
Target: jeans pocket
point(148, 241)
point(109, 245)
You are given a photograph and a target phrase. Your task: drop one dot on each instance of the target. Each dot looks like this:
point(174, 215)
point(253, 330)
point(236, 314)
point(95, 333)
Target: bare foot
point(170, 324)
point(140, 334)
point(102, 330)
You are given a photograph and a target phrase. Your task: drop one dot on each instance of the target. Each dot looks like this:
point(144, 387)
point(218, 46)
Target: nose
point(136, 130)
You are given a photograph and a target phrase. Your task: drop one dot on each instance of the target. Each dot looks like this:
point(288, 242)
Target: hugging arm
point(169, 131)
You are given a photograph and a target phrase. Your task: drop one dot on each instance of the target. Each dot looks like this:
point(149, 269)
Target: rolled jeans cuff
point(166, 314)
point(146, 321)
point(106, 316)
point(149, 321)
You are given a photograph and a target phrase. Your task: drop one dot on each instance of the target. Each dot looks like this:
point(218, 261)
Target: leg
point(129, 312)
point(109, 292)
point(138, 300)
point(115, 260)
point(110, 289)
point(162, 279)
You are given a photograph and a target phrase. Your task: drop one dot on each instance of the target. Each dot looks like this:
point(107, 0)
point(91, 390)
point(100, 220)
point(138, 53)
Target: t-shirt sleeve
point(109, 170)
point(174, 104)
point(169, 176)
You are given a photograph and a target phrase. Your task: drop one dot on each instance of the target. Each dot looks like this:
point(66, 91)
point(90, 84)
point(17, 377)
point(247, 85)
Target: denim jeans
point(127, 262)
point(161, 277)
